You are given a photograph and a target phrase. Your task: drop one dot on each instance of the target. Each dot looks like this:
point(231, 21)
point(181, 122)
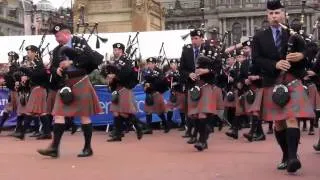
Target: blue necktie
point(196, 53)
point(278, 40)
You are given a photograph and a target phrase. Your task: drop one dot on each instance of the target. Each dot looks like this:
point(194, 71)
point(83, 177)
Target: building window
point(236, 32)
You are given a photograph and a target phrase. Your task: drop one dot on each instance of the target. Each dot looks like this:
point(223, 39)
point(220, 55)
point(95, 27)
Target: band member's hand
point(230, 79)
point(65, 64)
point(201, 71)
point(253, 78)
point(283, 65)
point(239, 85)
point(193, 76)
point(306, 78)
point(247, 82)
point(59, 71)
point(311, 73)
point(294, 57)
point(109, 78)
point(24, 79)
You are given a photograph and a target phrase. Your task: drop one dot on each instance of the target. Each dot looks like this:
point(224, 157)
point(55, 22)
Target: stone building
point(11, 18)
point(120, 15)
point(238, 17)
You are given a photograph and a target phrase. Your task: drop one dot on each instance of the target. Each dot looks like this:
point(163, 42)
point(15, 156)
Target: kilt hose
point(314, 97)
point(37, 102)
point(206, 104)
point(298, 106)
point(126, 103)
point(179, 104)
point(50, 100)
point(158, 107)
point(85, 100)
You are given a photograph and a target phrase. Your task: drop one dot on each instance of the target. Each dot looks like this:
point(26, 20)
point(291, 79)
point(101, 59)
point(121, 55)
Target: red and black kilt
point(206, 104)
point(299, 105)
point(158, 106)
point(240, 105)
point(180, 104)
point(20, 109)
point(314, 96)
point(219, 98)
point(126, 104)
point(12, 105)
point(255, 107)
point(37, 102)
point(85, 103)
point(50, 100)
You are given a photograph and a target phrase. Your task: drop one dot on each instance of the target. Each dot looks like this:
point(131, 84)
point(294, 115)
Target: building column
point(221, 30)
point(252, 26)
point(308, 19)
point(248, 26)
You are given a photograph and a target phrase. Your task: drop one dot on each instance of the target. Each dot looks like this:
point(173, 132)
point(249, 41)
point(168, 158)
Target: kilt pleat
point(219, 98)
point(20, 108)
point(158, 106)
point(255, 107)
point(207, 102)
point(50, 100)
point(298, 106)
point(12, 105)
point(314, 96)
point(126, 104)
point(180, 104)
point(37, 102)
point(85, 103)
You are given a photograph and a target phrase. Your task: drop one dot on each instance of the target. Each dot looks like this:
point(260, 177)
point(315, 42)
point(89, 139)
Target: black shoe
point(86, 152)
point(54, 153)
point(232, 134)
point(114, 139)
point(201, 146)
point(248, 136)
point(147, 131)
point(166, 130)
point(19, 136)
point(139, 134)
point(293, 165)
point(182, 128)
point(44, 136)
point(316, 147)
point(261, 137)
point(35, 134)
point(74, 129)
point(311, 132)
point(186, 135)
point(270, 131)
point(282, 166)
point(192, 140)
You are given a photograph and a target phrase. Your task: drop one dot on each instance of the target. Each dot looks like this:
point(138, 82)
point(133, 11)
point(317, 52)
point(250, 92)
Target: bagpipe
point(281, 94)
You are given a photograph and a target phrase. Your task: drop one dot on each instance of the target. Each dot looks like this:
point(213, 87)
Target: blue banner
point(106, 117)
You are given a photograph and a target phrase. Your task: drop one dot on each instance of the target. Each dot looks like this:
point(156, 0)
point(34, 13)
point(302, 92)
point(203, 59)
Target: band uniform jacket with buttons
point(266, 58)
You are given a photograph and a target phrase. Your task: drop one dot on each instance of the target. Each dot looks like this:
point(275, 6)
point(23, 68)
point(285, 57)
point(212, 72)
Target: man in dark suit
point(282, 65)
point(187, 68)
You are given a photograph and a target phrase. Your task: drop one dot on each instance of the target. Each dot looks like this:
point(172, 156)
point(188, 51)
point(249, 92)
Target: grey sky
point(58, 3)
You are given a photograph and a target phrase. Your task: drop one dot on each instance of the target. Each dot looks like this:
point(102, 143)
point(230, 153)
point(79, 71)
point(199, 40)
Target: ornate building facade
point(41, 17)
point(238, 17)
point(11, 18)
point(120, 15)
